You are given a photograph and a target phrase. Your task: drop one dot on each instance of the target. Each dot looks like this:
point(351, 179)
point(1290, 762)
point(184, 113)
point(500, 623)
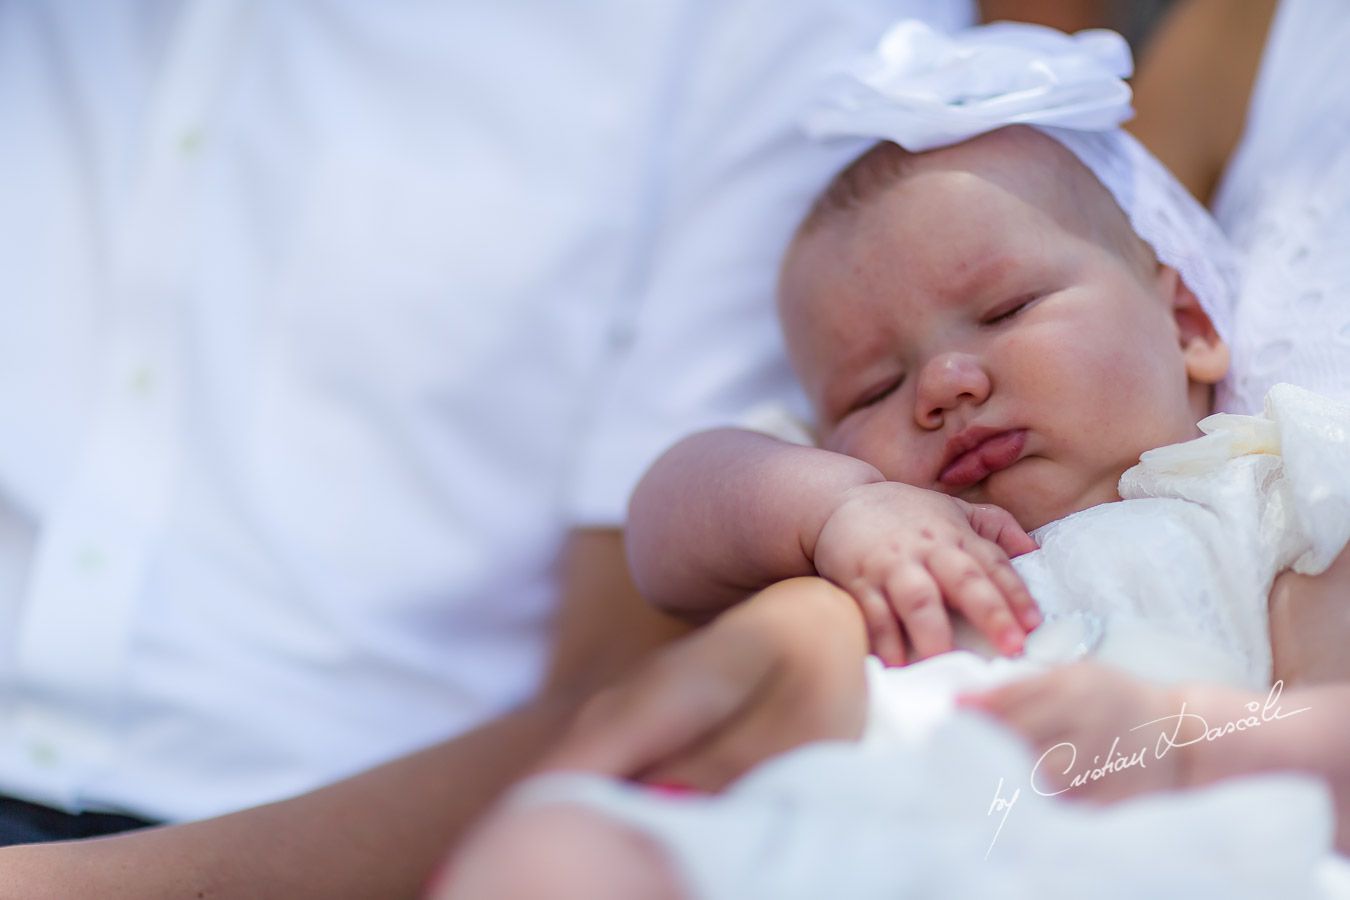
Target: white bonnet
point(923, 89)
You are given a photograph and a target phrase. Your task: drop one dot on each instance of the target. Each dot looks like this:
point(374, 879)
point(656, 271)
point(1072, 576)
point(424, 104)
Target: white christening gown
point(1169, 584)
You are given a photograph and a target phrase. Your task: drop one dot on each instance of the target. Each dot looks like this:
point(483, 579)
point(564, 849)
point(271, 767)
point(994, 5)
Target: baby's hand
point(906, 554)
point(1079, 716)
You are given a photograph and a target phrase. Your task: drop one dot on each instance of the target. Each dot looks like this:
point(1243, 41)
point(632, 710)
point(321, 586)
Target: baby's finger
point(1027, 707)
point(883, 630)
point(998, 701)
point(996, 524)
point(1005, 697)
point(917, 601)
point(967, 587)
point(1010, 584)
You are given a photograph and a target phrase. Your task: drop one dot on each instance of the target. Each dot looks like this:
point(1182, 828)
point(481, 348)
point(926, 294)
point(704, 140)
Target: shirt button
point(43, 754)
point(142, 381)
point(90, 560)
point(621, 337)
point(191, 141)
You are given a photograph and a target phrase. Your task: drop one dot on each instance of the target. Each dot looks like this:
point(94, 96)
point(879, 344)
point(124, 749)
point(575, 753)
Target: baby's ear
point(1205, 353)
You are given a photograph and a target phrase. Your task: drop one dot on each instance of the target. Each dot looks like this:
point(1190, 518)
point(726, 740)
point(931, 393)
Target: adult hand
point(780, 670)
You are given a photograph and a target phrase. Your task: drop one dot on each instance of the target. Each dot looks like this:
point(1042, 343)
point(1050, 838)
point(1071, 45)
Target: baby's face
point(968, 330)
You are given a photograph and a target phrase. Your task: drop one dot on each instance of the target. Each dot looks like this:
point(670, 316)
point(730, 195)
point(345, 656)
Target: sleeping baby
point(1008, 318)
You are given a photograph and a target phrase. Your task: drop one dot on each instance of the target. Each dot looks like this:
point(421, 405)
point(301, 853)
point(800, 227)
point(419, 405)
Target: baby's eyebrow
point(975, 276)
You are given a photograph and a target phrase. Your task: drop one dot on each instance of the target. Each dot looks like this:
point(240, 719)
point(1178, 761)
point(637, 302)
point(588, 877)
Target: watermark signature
point(1169, 738)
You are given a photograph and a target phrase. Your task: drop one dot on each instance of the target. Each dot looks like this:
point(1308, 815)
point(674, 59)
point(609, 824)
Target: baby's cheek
point(878, 445)
point(1080, 378)
point(1109, 374)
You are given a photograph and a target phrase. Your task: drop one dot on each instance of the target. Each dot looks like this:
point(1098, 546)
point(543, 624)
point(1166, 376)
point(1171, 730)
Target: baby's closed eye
point(1008, 309)
point(877, 393)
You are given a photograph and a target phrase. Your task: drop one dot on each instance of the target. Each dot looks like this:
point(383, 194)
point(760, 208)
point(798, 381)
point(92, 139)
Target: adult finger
point(816, 696)
point(669, 705)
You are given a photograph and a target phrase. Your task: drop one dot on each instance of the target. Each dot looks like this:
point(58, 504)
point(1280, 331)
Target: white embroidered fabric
point(923, 88)
point(1186, 564)
point(1169, 584)
point(1285, 203)
point(1163, 213)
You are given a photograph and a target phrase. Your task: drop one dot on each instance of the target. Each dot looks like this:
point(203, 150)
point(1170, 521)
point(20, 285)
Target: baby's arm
point(725, 513)
point(1310, 625)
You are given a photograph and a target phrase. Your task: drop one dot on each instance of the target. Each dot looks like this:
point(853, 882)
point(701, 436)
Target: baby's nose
point(947, 381)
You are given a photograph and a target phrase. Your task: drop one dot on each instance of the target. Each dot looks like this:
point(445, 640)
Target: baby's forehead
point(1022, 160)
point(1021, 178)
point(1022, 163)
point(1017, 147)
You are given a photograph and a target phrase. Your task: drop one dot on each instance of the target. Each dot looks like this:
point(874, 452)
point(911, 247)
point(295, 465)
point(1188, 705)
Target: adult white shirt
point(323, 321)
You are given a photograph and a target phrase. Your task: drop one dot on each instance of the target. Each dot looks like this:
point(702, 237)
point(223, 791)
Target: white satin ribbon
point(924, 89)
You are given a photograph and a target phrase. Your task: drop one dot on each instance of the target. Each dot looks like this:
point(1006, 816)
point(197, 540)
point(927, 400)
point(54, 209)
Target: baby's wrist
point(1188, 734)
point(849, 476)
point(1227, 732)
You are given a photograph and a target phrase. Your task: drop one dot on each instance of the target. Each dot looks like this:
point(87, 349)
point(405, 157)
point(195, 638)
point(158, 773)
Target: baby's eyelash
point(878, 395)
point(1008, 311)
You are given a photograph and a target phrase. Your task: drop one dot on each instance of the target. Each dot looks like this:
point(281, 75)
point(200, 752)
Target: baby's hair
point(885, 164)
point(863, 179)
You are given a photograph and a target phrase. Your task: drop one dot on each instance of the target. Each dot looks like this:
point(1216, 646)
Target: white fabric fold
point(924, 89)
point(1308, 505)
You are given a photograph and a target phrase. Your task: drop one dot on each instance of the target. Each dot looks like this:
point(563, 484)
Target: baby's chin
point(1035, 504)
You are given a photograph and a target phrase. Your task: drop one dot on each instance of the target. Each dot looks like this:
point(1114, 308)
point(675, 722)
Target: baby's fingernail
point(1010, 642)
point(1032, 618)
point(672, 788)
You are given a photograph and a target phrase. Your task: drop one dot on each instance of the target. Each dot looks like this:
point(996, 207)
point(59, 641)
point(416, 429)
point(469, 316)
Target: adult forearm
point(378, 834)
point(725, 513)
